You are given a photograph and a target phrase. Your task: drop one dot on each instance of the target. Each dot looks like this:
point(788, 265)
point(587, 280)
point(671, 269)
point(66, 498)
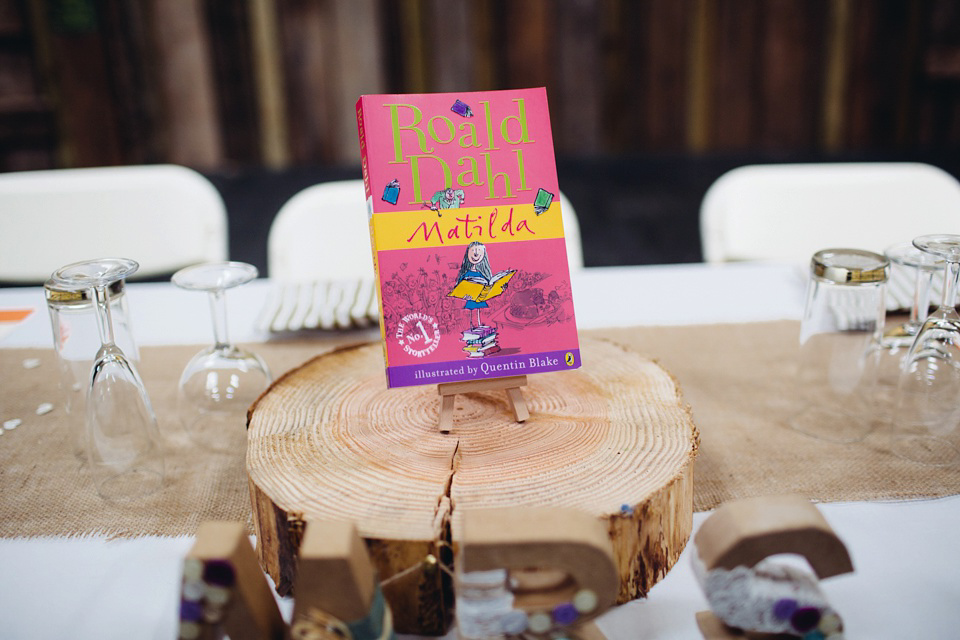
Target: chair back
point(163, 216)
point(322, 233)
point(788, 212)
point(571, 234)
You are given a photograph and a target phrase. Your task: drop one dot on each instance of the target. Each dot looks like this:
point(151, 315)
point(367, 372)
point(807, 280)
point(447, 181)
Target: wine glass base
point(926, 449)
point(130, 485)
point(214, 276)
point(94, 273)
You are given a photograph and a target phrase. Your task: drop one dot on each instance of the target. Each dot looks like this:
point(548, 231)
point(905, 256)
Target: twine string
point(430, 562)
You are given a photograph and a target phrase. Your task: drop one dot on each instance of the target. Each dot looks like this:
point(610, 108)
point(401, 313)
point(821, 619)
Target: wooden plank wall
point(220, 83)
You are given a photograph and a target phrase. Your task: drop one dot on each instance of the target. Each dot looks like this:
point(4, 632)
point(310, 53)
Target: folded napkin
point(326, 305)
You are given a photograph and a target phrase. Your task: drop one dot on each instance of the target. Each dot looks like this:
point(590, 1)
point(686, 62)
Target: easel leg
point(446, 413)
point(517, 404)
point(449, 390)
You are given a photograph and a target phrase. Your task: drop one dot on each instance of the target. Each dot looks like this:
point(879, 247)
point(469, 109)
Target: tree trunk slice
point(329, 441)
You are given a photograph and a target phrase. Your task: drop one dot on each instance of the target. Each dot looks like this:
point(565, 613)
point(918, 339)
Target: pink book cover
point(467, 232)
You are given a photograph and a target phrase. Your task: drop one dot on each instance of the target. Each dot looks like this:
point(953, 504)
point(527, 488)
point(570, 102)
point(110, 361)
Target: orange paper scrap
point(14, 315)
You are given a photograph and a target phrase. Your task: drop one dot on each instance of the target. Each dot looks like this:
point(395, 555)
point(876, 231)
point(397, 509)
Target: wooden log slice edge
point(328, 441)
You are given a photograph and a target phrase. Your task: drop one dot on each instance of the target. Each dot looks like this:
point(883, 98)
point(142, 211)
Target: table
point(904, 553)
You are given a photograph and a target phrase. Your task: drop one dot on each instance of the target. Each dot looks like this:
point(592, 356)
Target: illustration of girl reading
point(476, 284)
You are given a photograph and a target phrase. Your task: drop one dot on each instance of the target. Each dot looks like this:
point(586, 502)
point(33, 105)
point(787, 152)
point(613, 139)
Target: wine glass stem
point(218, 309)
point(950, 274)
point(104, 319)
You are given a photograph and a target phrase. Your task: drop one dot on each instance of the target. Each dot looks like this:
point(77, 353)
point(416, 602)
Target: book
point(480, 288)
point(482, 348)
point(466, 226)
point(476, 333)
point(480, 342)
point(484, 340)
point(480, 354)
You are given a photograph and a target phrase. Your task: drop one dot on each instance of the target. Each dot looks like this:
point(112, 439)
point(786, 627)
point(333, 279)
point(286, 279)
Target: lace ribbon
point(770, 597)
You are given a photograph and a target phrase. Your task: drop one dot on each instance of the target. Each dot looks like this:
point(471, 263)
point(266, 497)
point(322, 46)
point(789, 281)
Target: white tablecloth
point(906, 555)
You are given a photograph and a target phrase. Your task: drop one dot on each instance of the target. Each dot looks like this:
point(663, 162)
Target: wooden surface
point(713, 629)
point(334, 572)
point(329, 441)
point(744, 532)
point(563, 551)
point(250, 613)
point(703, 75)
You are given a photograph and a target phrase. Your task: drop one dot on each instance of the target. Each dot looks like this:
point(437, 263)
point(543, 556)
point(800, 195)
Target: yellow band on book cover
point(489, 224)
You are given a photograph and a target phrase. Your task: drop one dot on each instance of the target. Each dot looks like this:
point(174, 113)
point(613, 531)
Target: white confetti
point(13, 423)
point(31, 363)
point(44, 408)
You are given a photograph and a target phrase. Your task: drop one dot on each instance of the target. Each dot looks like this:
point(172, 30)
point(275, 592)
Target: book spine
point(364, 165)
point(362, 132)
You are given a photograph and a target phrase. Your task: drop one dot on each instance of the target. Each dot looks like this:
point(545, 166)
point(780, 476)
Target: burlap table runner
point(737, 379)
point(45, 491)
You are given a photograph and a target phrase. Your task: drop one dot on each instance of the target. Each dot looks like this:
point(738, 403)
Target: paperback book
point(467, 232)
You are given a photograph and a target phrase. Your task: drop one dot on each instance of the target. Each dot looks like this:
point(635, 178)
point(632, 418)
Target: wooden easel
point(448, 392)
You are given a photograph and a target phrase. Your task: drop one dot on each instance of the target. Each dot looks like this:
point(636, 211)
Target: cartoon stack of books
point(481, 341)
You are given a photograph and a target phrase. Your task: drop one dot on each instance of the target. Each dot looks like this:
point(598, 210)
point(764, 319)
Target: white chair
point(163, 216)
point(571, 234)
point(321, 233)
point(788, 212)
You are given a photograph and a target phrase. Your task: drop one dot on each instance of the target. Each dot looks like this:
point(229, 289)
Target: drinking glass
point(122, 440)
point(839, 338)
point(220, 383)
point(926, 423)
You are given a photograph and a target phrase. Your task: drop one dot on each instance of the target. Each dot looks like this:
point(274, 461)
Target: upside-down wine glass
point(222, 381)
point(897, 339)
point(926, 423)
point(122, 440)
